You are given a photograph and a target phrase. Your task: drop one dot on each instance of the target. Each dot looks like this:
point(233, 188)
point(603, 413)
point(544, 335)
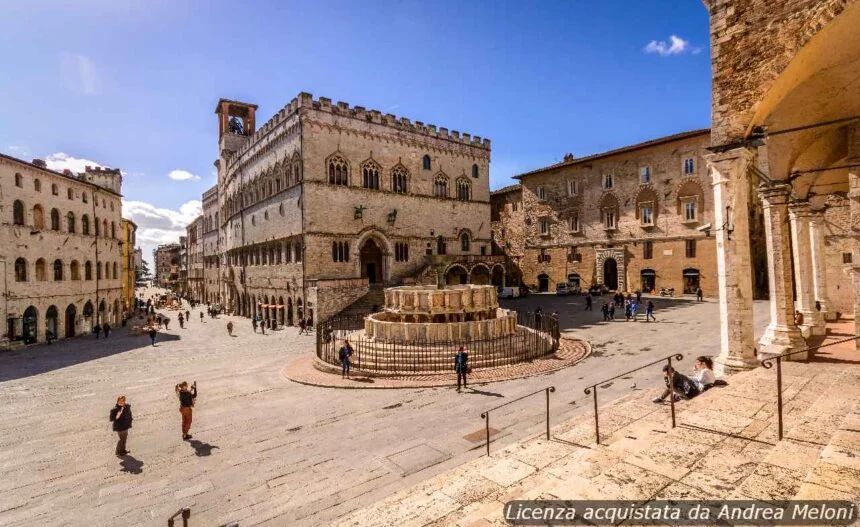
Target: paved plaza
point(266, 450)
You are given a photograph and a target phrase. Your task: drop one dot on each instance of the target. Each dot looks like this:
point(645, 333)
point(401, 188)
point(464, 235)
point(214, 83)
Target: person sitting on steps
point(679, 386)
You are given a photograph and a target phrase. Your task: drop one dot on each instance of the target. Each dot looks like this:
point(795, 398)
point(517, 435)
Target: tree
point(143, 272)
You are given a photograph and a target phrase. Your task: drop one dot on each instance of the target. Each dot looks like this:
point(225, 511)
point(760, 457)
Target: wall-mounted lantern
point(358, 212)
point(392, 217)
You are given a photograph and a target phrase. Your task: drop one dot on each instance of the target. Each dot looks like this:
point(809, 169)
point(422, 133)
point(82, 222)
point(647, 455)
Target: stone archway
point(617, 255)
point(71, 313)
point(371, 261)
point(456, 275)
point(497, 276)
point(610, 274)
point(480, 275)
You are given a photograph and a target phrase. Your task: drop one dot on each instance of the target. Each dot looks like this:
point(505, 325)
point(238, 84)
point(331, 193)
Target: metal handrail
point(592, 389)
point(486, 414)
point(768, 363)
point(185, 512)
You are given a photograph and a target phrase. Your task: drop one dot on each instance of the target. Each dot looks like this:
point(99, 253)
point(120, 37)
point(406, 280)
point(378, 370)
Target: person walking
point(181, 321)
point(634, 311)
point(106, 328)
point(188, 315)
point(302, 326)
point(699, 295)
point(166, 321)
point(627, 311)
point(310, 323)
point(611, 311)
point(638, 296)
point(120, 416)
point(263, 327)
point(152, 334)
point(230, 328)
point(201, 316)
point(186, 396)
point(344, 355)
point(588, 302)
point(605, 310)
point(649, 311)
point(97, 330)
point(461, 366)
point(254, 323)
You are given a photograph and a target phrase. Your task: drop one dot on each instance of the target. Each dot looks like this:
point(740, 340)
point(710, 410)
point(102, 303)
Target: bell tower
point(235, 125)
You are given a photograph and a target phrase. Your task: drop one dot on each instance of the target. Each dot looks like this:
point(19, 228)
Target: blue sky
point(134, 85)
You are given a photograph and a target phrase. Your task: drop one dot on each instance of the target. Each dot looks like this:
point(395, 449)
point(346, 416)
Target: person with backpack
point(344, 354)
point(120, 416)
point(461, 366)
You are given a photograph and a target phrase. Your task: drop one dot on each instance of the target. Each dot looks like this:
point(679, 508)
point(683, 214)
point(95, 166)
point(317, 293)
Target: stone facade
point(194, 259)
point(325, 192)
point(632, 218)
point(129, 265)
point(166, 259)
point(62, 235)
point(211, 248)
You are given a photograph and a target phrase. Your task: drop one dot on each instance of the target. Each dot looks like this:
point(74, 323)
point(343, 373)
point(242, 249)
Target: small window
point(19, 180)
point(690, 248)
point(20, 270)
point(607, 181)
point(88, 271)
point(98, 271)
point(646, 214)
point(340, 251)
point(253, 220)
point(543, 257)
point(58, 270)
point(70, 193)
point(572, 187)
point(265, 216)
point(647, 250)
point(644, 175)
point(543, 227)
point(18, 212)
point(111, 206)
point(37, 185)
point(514, 206)
point(475, 172)
point(690, 212)
point(55, 220)
point(847, 258)
point(401, 252)
point(425, 162)
point(465, 242)
point(84, 197)
point(55, 190)
point(541, 193)
point(574, 223)
point(574, 256)
point(609, 219)
point(689, 166)
point(85, 224)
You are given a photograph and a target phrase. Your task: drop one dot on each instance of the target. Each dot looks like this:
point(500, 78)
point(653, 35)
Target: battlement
point(306, 100)
point(212, 192)
point(102, 170)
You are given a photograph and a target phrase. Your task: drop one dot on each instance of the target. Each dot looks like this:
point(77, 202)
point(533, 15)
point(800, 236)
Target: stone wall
point(838, 241)
point(333, 296)
point(508, 221)
point(752, 41)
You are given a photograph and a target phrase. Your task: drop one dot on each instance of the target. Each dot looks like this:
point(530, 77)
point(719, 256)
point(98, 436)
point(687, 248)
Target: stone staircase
point(724, 447)
point(365, 304)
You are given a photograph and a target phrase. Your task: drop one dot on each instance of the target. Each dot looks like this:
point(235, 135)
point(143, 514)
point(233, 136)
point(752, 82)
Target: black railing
point(593, 389)
point(185, 512)
point(768, 363)
point(537, 337)
point(486, 414)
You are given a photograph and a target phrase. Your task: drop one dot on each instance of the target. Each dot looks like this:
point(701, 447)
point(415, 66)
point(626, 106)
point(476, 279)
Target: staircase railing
point(486, 414)
point(185, 512)
point(768, 363)
point(593, 390)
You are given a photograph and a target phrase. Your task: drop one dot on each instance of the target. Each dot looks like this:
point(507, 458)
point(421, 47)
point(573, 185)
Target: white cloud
point(61, 161)
point(182, 175)
point(157, 225)
point(80, 74)
point(675, 46)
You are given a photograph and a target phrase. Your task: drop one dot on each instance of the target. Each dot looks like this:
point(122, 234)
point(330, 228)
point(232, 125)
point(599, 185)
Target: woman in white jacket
point(703, 373)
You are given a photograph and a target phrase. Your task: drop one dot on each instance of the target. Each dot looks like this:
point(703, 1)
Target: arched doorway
point(370, 257)
point(610, 274)
point(456, 275)
point(102, 313)
point(480, 275)
point(543, 282)
point(280, 311)
point(88, 317)
point(51, 316)
point(649, 280)
point(691, 281)
point(574, 280)
point(289, 311)
point(30, 325)
point(71, 312)
point(116, 318)
point(498, 276)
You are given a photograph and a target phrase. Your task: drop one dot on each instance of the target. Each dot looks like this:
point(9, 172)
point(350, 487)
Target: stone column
point(819, 266)
point(801, 247)
point(781, 334)
point(734, 272)
point(854, 204)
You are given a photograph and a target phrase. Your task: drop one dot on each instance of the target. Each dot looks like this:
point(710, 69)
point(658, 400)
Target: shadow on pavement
point(42, 358)
point(201, 449)
point(131, 465)
point(481, 392)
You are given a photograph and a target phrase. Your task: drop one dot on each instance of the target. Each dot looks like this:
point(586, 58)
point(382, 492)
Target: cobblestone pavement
point(266, 450)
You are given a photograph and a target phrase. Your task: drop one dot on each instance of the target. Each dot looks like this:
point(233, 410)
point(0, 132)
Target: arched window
point(464, 189)
point(58, 270)
point(18, 212)
point(609, 211)
point(19, 180)
point(440, 186)
point(115, 273)
point(88, 271)
point(70, 193)
point(370, 175)
point(338, 171)
point(41, 271)
point(70, 219)
point(465, 242)
point(425, 162)
point(85, 224)
point(75, 270)
point(646, 207)
point(104, 228)
point(84, 197)
point(55, 220)
point(475, 172)
point(20, 270)
point(399, 180)
point(98, 271)
point(38, 218)
point(55, 190)
point(96, 225)
point(113, 229)
point(37, 185)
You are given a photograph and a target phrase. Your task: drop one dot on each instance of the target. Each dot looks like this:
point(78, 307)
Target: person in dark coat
point(344, 355)
point(97, 330)
point(254, 323)
point(106, 328)
point(152, 334)
point(120, 416)
point(461, 366)
point(680, 386)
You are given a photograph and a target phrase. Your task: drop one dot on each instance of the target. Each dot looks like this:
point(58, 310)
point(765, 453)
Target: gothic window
point(608, 181)
point(399, 180)
point(338, 171)
point(96, 224)
point(20, 270)
point(104, 228)
point(425, 162)
point(465, 242)
point(370, 175)
point(18, 212)
point(55, 220)
point(58, 270)
point(401, 252)
point(38, 218)
point(70, 221)
point(41, 272)
point(464, 189)
point(340, 251)
point(88, 271)
point(440, 186)
point(75, 270)
point(19, 180)
point(475, 172)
